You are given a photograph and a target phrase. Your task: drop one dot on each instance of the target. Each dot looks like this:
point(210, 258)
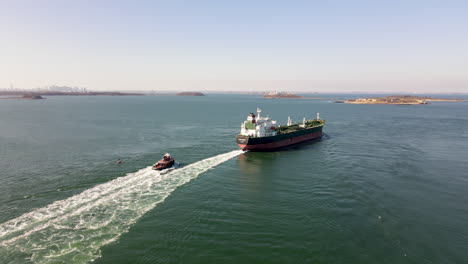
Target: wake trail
point(73, 230)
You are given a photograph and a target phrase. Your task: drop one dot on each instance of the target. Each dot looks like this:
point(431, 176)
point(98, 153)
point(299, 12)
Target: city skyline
point(300, 46)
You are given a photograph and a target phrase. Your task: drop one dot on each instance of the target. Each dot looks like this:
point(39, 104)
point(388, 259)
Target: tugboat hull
point(164, 165)
point(271, 143)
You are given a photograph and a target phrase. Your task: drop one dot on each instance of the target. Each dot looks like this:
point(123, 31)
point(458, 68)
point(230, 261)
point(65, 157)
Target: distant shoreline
point(54, 93)
point(282, 95)
point(21, 98)
point(50, 93)
point(266, 95)
point(189, 94)
point(28, 96)
point(300, 97)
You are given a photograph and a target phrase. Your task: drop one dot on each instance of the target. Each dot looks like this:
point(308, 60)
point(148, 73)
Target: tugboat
point(263, 134)
point(166, 162)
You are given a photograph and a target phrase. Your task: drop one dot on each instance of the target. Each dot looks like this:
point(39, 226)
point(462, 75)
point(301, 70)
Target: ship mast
point(258, 113)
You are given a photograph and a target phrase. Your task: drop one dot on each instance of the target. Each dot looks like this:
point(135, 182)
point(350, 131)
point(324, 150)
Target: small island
point(276, 95)
point(282, 95)
point(27, 96)
point(398, 100)
point(32, 96)
point(190, 94)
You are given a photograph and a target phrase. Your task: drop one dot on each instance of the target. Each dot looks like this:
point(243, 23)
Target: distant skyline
point(301, 46)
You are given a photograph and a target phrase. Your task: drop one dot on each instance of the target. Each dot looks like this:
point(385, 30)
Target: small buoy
point(119, 161)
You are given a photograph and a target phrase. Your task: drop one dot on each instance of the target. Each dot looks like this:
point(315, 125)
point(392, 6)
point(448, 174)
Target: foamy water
point(73, 230)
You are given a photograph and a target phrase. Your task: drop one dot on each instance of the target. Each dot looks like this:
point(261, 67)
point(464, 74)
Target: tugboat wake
point(73, 230)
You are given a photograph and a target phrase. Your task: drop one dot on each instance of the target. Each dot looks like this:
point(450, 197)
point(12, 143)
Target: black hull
point(279, 141)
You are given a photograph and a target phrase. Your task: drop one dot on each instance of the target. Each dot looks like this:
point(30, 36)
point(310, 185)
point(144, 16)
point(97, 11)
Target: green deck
point(296, 127)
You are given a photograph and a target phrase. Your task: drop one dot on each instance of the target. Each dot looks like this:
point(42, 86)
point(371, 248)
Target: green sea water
point(386, 183)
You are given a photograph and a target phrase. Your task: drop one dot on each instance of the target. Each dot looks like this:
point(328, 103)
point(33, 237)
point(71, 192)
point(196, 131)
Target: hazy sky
point(323, 46)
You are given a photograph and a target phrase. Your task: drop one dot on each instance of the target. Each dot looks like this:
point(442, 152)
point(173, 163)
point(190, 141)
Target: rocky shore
point(399, 100)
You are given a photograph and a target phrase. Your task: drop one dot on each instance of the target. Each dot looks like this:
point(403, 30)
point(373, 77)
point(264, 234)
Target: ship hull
point(279, 141)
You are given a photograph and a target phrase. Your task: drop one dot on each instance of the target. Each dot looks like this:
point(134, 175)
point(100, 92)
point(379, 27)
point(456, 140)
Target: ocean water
point(386, 184)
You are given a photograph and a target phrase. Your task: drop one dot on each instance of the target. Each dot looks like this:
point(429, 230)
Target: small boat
point(166, 162)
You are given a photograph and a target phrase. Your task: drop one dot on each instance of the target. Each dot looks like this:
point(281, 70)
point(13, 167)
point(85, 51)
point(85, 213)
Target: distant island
point(274, 95)
point(32, 96)
point(28, 96)
point(53, 93)
point(398, 100)
point(281, 95)
point(190, 94)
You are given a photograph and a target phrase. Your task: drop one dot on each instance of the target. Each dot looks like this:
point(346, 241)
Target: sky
point(412, 46)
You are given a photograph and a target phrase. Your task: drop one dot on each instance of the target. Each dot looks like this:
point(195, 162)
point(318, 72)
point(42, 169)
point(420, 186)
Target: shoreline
point(400, 100)
point(21, 98)
point(18, 93)
point(309, 98)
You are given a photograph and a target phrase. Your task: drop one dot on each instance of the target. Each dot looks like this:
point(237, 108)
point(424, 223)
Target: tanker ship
point(262, 134)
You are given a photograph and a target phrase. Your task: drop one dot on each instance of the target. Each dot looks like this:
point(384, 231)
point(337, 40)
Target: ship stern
point(242, 141)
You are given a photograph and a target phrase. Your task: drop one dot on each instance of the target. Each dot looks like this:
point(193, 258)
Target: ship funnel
point(289, 121)
point(258, 112)
point(318, 116)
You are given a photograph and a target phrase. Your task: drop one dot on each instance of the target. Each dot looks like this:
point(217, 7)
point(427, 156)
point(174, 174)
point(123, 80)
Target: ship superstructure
point(262, 134)
point(257, 126)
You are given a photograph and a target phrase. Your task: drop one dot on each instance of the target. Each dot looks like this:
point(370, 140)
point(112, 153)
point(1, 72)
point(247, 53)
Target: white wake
point(73, 230)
